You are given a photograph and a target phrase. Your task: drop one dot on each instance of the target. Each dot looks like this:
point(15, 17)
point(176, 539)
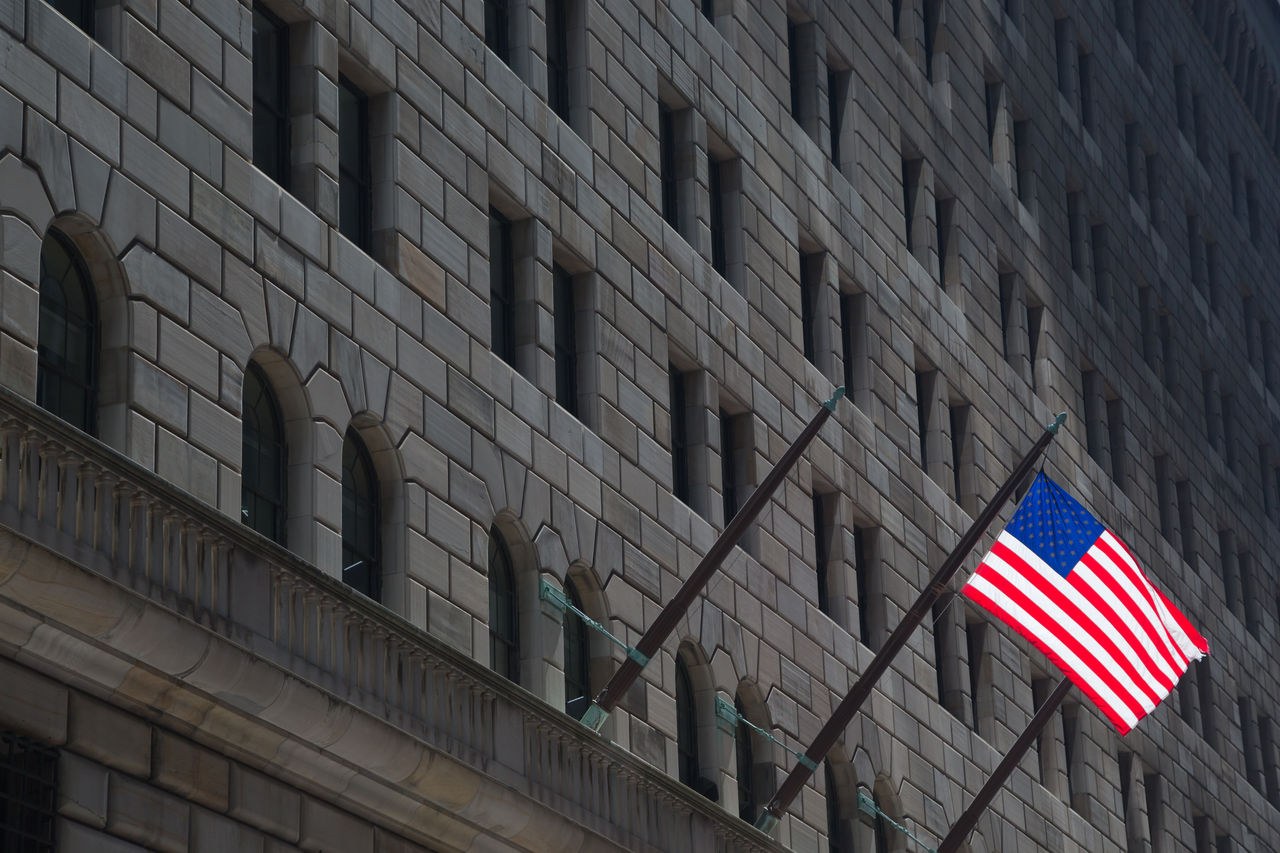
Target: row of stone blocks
point(124, 785)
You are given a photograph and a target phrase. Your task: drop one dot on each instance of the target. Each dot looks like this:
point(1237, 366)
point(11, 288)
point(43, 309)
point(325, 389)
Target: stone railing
point(87, 503)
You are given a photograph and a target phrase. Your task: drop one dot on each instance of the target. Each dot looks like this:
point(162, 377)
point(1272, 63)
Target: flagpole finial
point(1057, 423)
point(830, 405)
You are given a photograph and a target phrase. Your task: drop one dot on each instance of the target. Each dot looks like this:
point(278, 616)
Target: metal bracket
point(830, 404)
point(595, 717)
point(728, 713)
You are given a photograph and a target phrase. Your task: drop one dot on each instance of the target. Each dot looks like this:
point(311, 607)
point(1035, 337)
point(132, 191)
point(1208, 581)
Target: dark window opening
point(264, 465)
point(558, 57)
point(28, 795)
point(502, 288)
point(361, 542)
point(67, 353)
point(566, 343)
point(497, 28)
point(679, 435)
point(748, 800)
point(271, 140)
point(810, 266)
point(667, 146)
point(715, 191)
point(355, 178)
point(577, 657)
point(504, 624)
point(82, 13)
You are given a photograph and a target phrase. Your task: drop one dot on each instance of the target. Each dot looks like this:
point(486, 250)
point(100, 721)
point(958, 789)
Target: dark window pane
point(28, 794)
point(558, 57)
point(679, 436)
point(577, 657)
point(686, 726)
point(728, 467)
point(271, 96)
point(747, 800)
point(67, 369)
point(504, 626)
point(719, 260)
point(667, 152)
point(354, 176)
point(79, 12)
point(566, 340)
point(501, 288)
point(262, 476)
point(361, 544)
point(497, 32)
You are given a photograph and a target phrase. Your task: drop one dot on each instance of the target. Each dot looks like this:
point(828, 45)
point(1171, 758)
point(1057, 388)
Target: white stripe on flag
point(1184, 643)
point(1084, 634)
point(1049, 638)
point(1145, 598)
point(1147, 631)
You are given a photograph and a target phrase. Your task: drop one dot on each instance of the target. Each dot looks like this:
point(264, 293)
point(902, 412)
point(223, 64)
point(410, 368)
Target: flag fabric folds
point(1068, 585)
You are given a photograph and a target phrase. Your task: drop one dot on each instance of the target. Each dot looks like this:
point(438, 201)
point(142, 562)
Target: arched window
point(748, 799)
point(686, 726)
point(361, 544)
point(262, 476)
point(577, 657)
point(839, 838)
point(67, 353)
point(504, 625)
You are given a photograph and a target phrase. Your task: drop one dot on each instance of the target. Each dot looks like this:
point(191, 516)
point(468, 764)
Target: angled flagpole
point(861, 689)
point(665, 622)
point(969, 819)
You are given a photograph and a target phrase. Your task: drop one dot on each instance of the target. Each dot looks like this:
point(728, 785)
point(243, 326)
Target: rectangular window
point(1094, 416)
point(1065, 52)
point(944, 211)
point(853, 341)
point(731, 482)
point(932, 22)
point(1155, 808)
point(502, 288)
point(995, 93)
point(924, 412)
point(1075, 231)
point(793, 59)
point(1255, 215)
point(28, 794)
point(1085, 62)
point(1182, 100)
point(715, 190)
point(1008, 281)
point(1035, 321)
point(82, 13)
point(824, 506)
point(1155, 209)
point(271, 96)
point(1236, 180)
point(1166, 498)
point(1070, 736)
point(558, 57)
point(868, 588)
point(1133, 150)
point(1270, 759)
point(1046, 747)
point(961, 456)
point(355, 179)
point(1115, 433)
point(895, 13)
point(680, 442)
point(837, 96)
point(945, 658)
point(1249, 742)
point(667, 153)
point(912, 170)
point(1021, 167)
point(566, 349)
point(979, 683)
point(1250, 594)
point(1208, 715)
point(1211, 273)
point(1186, 522)
point(709, 10)
point(810, 290)
point(497, 28)
point(1101, 271)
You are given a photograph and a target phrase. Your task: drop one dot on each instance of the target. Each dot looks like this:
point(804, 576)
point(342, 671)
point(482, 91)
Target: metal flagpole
point(666, 620)
point(1000, 775)
point(861, 689)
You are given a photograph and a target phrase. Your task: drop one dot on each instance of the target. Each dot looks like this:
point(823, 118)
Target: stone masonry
point(974, 213)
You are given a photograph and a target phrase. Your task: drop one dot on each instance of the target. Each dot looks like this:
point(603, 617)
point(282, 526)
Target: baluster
point(28, 470)
point(10, 444)
point(47, 501)
point(67, 500)
point(86, 496)
point(104, 510)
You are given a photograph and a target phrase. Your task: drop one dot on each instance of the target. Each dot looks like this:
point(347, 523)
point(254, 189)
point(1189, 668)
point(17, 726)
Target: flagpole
point(665, 622)
point(861, 689)
point(1000, 775)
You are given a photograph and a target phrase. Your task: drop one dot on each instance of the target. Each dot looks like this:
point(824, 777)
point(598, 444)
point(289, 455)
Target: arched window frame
point(577, 656)
point(504, 610)
point(361, 518)
point(687, 747)
point(58, 322)
point(748, 801)
point(262, 440)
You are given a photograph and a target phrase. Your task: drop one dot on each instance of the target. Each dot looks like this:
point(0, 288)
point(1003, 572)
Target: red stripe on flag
point(1192, 634)
point(1158, 676)
point(1063, 634)
point(1086, 687)
point(1061, 597)
point(1128, 568)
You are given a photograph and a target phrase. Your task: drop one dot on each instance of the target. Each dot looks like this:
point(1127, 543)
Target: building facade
point(352, 352)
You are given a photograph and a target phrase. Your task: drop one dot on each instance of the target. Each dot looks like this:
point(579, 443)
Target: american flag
point(1068, 585)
